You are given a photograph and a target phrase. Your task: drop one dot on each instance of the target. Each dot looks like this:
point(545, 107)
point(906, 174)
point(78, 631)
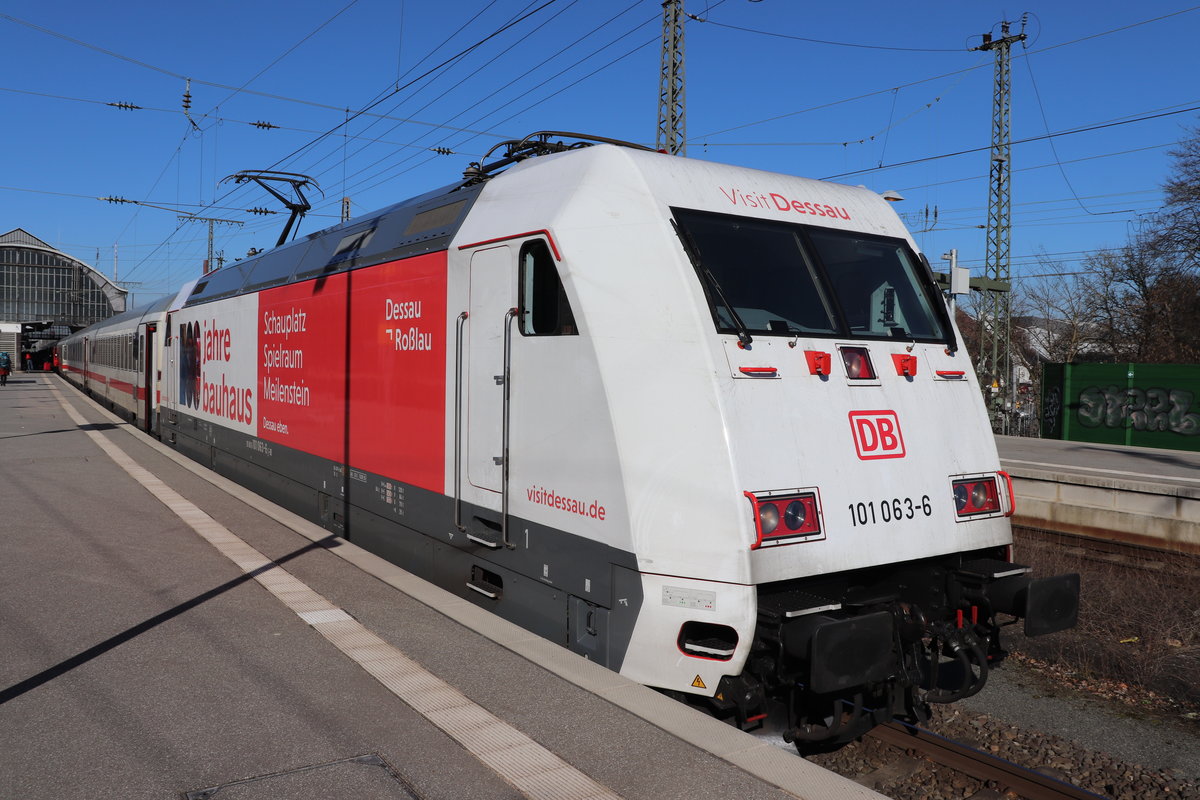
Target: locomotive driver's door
point(493, 294)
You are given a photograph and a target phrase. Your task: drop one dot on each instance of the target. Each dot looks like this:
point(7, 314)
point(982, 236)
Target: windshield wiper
point(693, 254)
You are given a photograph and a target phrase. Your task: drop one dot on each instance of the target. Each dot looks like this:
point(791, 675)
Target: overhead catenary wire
point(413, 143)
point(375, 103)
point(1053, 149)
point(382, 178)
point(326, 134)
point(379, 97)
point(779, 35)
point(983, 62)
point(260, 73)
point(396, 169)
point(1026, 140)
point(474, 99)
point(379, 176)
point(508, 84)
point(388, 91)
point(397, 87)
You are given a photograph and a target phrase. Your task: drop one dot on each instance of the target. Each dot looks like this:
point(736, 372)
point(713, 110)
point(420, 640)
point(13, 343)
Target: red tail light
point(858, 363)
point(975, 497)
point(785, 517)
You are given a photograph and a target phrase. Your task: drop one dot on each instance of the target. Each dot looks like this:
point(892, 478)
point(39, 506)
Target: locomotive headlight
point(794, 515)
point(768, 518)
point(976, 497)
point(960, 496)
point(798, 509)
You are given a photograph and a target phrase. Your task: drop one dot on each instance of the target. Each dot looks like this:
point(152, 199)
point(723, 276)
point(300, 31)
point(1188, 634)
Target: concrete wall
point(1108, 508)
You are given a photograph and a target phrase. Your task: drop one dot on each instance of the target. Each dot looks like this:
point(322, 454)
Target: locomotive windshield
point(773, 278)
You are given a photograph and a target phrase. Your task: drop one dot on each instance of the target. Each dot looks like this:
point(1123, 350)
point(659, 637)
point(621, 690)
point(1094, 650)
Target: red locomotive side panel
point(398, 368)
point(391, 411)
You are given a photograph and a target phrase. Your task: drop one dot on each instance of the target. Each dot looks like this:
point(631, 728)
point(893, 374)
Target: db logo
point(877, 434)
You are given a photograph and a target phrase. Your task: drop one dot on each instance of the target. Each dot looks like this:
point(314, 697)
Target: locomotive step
point(992, 569)
point(794, 603)
point(709, 647)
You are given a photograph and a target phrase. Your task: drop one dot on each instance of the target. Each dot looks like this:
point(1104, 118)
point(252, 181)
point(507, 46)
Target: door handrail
point(508, 318)
point(458, 380)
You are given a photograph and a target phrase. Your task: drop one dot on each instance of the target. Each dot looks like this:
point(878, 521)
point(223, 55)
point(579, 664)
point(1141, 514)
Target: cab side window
point(543, 305)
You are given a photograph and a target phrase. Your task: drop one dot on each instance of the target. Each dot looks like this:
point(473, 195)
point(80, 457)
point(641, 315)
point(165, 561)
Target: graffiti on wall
point(1052, 409)
point(1141, 409)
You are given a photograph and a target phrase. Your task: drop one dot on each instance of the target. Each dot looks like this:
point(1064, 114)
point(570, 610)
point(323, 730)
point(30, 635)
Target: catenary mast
point(672, 105)
point(995, 317)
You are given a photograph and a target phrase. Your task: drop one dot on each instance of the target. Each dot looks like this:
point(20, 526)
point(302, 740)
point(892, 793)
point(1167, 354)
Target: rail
point(979, 765)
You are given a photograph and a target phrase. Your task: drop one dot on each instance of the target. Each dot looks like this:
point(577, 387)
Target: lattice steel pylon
point(672, 104)
point(995, 318)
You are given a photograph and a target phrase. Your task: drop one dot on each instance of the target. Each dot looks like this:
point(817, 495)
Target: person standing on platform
point(29, 362)
point(5, 367)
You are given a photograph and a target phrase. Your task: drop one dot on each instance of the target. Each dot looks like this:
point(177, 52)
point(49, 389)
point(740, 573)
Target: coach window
point(543, 306)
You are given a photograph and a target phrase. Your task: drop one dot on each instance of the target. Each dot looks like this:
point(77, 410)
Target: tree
point(1145, 297)
point(1058, 317)
point(1179, 222)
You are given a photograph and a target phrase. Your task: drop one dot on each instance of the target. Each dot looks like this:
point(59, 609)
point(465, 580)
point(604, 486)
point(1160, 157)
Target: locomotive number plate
point(895, 509)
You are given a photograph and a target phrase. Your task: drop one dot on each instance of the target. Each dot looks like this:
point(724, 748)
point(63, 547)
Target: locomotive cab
point(871, 538)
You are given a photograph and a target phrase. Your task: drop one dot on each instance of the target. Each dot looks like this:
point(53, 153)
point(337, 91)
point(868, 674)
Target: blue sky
point(819, 90)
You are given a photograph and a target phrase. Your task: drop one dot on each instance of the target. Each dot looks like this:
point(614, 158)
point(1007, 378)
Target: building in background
point(45, 294)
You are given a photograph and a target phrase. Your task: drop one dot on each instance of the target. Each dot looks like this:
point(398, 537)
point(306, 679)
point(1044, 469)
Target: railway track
point(1142, 558)
point(982, 766)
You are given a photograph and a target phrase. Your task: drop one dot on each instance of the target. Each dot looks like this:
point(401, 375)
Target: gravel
point(1113, 749)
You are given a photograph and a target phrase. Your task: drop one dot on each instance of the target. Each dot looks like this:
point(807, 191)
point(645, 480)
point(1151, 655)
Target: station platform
point(1179, 468)
point(1140, 495)
point(167, 634)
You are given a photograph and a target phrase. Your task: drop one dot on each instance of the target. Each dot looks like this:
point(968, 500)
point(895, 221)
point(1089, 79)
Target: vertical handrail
point(508, 318)
point(458, 381)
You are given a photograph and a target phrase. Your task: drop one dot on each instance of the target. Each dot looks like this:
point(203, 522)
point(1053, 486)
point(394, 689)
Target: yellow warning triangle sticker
point(698, 683)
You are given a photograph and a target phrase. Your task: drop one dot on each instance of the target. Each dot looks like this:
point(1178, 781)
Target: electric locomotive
point(708, 426)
